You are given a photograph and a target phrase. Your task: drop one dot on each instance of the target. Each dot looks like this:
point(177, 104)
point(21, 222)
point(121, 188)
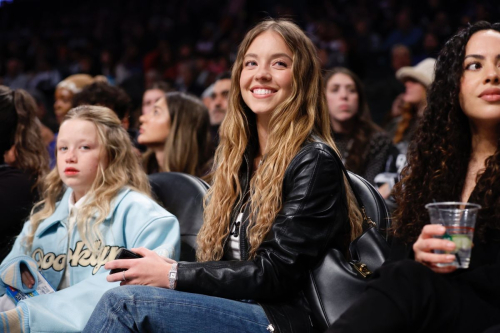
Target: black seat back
point(182, 195)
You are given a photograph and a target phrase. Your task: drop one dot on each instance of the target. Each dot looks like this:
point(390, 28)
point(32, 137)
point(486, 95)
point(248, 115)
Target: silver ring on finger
point(123, 273)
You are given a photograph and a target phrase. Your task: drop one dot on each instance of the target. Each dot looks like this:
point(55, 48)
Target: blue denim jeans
point(151, 309)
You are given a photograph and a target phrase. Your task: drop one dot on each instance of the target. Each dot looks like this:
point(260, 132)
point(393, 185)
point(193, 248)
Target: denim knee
point(116, 296)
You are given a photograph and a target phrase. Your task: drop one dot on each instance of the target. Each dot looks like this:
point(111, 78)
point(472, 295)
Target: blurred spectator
point(152, 94)
point(430, 47)
point(14, 75)
point(381, 90)
point(48, 125)
point(65, 91)
point(218, 105)
point(186, 80)
point(363, 145)
point(417, 80)
point(329, 37)
point(103, 94)
point(406, 32)
point(203, 71)
point(441, 25)
point(395, 111)
point(176, 134)
point(152, 76)
point(218, 65)
point(108, 65)
point(161, 59)
point(23, 162)
point(206, 96)
point(368, 41)
point(366, 47)
point(187, 44)
point(400, 57)
point(205, 45)
point(46, 77)
point(128, 65)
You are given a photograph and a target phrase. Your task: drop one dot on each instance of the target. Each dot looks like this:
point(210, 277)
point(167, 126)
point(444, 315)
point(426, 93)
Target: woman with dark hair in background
point(363, 145)
point(455, 156)
point(23, 162)
point(176, 134)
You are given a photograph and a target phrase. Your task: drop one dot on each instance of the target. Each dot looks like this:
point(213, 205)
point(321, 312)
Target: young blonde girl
point(96, 201)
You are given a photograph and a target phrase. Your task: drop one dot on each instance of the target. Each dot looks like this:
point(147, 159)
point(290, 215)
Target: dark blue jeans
point(151, 309)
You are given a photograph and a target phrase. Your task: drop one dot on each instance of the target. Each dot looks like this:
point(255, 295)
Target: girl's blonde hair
point(123, 170)
point(301, 116)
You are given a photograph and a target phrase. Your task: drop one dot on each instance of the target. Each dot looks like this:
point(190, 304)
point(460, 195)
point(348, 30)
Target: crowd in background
point(188, 43)
point(101, 85)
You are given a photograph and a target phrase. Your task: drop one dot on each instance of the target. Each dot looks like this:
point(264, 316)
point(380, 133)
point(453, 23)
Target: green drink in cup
point(459, 219)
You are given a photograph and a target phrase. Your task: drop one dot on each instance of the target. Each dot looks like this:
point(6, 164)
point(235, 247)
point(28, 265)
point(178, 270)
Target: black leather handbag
point(335, 283)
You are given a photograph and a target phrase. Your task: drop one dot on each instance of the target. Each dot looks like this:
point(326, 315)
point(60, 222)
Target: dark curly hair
point(364, 127)
point(439, 154)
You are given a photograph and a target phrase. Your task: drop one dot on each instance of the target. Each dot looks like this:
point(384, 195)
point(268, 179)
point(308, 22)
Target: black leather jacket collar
point(313, 218)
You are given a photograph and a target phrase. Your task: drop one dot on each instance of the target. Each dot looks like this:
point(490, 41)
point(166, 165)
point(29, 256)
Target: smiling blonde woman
point(277, 203)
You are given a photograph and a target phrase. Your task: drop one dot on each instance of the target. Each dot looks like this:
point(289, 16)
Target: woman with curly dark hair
point(364, 146)
point(455, 156)
point(23, 162)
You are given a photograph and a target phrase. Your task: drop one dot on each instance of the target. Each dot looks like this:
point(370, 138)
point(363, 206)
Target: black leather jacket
point(313, 218)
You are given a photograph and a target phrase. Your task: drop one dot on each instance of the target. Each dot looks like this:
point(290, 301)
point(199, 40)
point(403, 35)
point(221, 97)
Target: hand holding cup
point(430, 241)
point(452, 222)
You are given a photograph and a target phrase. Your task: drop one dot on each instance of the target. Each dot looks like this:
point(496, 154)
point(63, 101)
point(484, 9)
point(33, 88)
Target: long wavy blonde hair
point(301, 116)
point(123, 170)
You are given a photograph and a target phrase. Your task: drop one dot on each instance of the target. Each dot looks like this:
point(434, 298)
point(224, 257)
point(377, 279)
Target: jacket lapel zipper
point(237, 224)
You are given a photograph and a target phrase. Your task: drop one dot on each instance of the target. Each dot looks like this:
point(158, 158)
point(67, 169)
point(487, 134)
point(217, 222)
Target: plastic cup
point(459, 219)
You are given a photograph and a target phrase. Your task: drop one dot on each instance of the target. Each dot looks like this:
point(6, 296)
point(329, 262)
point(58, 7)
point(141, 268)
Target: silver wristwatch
point(172, 276)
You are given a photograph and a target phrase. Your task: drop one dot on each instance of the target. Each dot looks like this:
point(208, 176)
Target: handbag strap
point(366, 219)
